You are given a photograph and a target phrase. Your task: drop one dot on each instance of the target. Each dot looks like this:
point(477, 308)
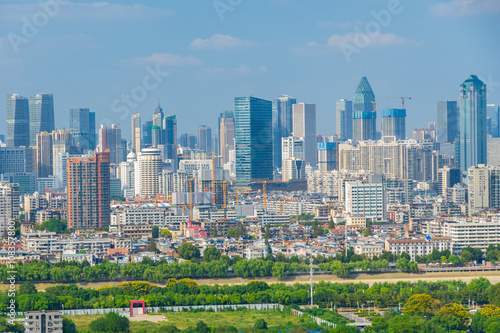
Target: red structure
point(137, 302)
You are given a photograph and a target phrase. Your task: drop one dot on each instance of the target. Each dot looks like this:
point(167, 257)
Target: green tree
point(215, 232)
point(201, 327)
point(368, 232)
point(14, 328)
point(188, 251)
point(455, 310)
point(491, 310)
point(331, 224)
point(68, 325)
point(27, 288)
point(211, 253)
point(422, 305)
point(155, 231)
point(166, 233)
point(260, 324)
point(267, 234)
point(54, 225)
point(111, 322)
point(152, 245)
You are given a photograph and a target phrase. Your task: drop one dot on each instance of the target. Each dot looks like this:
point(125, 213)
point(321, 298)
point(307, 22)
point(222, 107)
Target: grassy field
point(182, 320)
point(494, 278)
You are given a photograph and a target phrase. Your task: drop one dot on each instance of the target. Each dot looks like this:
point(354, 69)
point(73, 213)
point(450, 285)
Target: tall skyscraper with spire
point(364, 117)
point(41, 107)
point(472, 123)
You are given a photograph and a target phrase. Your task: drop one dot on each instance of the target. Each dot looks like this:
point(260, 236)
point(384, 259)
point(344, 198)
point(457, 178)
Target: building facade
point(364, 118)
point(41, 115)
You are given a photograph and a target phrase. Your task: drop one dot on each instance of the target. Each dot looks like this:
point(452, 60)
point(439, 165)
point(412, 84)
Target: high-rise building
point(62, 141)
point(170, 138)
point(484, 187)
point(304, 126)
point(493, 113)
point(282, 124)
point(253, 138)
point(473, 144)
point(293, 169)
point(9, 204)
point(365, 199)
point(344, 119)
point(41, 109)
point(364, 116)
point(82, 127)
point(88, 191)
point(448, 177)
point(327, 156)
point(12, 159)
point(292, 147)
point(110, 139)
point(127, 176)
point(136, 132)
point(448, 121)
point(188, 141)
point(226, 135)
point(18, 126)
point(394, 123)
point(44, 157)
point(147, 135)
point(205, 138)
point(149, 171)
point(157, 128)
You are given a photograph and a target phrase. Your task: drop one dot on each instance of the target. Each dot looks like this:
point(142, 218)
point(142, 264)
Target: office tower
point(282, 124)
point(205, 138)
point(472, 123)
point(88, 191)
point(363, 199)
point(493, 113)
point(188, 141)
point(293, 169)
point(18, 127)
point(150, 170)
point(253, 138)
point(41, 115)
point(448, 177)
point(62, 141)
point(12, 159)
point(448, 121)
point(44, 155)
point(25, 180)
point(344, 119)
point(226, 135)
point(147, 135)
point(292, 147)
point(9, 204)
point(484, 187)
point(127, 176)
point(327, 156)
point(394, 123)
point(170, 138)
point(364, 116)
point(61, 169)
point(136, 132)
point(82, 128)
point(110, 138)
point(156, 128)
point(304, 126)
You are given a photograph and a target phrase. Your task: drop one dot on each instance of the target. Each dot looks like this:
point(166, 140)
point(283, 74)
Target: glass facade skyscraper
point(364, 117)
point(448, 121)
point(41, 110)
point(282, 124)
point(344, 119)
point(82, 127)
point(18, 126)
point(472, 123)
point(493, 113)
point(253, 138)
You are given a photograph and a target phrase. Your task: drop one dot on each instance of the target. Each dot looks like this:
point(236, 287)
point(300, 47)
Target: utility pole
point(311, 262)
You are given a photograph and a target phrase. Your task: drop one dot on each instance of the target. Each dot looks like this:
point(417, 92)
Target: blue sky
point(90, 54)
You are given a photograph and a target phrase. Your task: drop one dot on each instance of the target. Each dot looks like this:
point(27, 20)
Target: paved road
point(358, 321)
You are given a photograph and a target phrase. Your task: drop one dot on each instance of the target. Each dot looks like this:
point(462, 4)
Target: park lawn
point(240, 319)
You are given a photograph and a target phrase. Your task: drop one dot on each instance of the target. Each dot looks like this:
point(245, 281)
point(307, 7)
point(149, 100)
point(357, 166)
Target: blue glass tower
point(472, 123)
point(448, 121)
point(494, 116)
point(282, 124)
point(364, 116)
point(18, 126)
point(253, 138)
point(82, 127)
point(41, 108)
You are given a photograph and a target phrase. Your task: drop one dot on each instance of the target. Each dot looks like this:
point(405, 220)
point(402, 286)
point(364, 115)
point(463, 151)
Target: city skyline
point(208, 68)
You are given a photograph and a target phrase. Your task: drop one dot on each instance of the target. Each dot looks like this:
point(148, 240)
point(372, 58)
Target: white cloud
point(465, 7)
point(221, 42)
point(166, 59)
point(78, 11)
point(378, 39)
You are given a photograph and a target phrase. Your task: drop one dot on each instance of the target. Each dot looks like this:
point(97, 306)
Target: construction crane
point(264, 189)
point(212, 157)
point(402, 100)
